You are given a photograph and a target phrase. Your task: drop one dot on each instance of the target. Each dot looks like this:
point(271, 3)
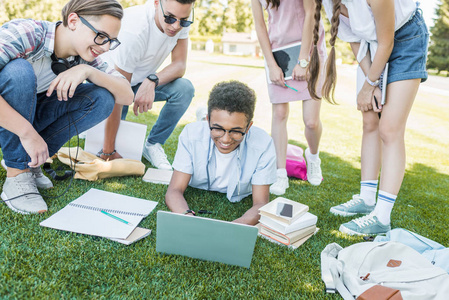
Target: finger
point(33, 161)
point(72, 90)
point(51, 88)
point(135, 109)
point(65, 90)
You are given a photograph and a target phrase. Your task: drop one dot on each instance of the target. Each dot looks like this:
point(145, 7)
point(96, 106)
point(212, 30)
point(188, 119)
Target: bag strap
point(330, 274)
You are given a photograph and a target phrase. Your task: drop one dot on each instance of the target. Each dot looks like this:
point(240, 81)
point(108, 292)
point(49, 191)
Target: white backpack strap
point(331, 270)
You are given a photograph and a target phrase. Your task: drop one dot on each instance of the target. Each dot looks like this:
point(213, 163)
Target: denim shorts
point(408, 58)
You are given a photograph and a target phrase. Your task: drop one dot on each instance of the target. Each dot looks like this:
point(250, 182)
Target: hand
point(365, 98)
point(299, 73)
point(66, 82)
point(36, 148)
point(144, 99)
point(277, 76)
point(377, 107)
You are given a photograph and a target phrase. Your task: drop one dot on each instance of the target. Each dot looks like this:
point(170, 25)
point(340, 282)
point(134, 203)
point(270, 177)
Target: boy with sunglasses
point(149, 34)
point(225, 153)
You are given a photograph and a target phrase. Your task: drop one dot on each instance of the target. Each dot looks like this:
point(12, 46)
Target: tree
point(439, 47)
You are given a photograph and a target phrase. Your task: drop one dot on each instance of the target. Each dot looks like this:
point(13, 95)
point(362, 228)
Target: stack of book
point(286, 222)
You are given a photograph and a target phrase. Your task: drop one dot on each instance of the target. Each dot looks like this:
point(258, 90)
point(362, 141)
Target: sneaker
point(279, 187)
point(354, 206)
point(28, 200)
point(42, 181)
point(156, 156)
point(314, 175)
point(366, 225)
point(201, 113)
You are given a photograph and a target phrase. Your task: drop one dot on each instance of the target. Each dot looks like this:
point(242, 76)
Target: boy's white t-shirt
point(144, 47)
point(222, 173)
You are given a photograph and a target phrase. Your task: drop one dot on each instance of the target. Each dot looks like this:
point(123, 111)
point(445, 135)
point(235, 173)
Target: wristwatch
point(372, 83)
point(303, 63)
point(154, 78)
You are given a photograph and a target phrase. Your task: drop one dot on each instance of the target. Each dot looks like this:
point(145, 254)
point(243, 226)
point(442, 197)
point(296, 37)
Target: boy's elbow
point(126, 99)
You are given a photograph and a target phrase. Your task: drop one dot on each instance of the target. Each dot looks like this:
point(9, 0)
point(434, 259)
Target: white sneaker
point(42, 181)
point(156, 156)
point(201, 113)
point(21, 195)
point(314, 175)
point(280, 186)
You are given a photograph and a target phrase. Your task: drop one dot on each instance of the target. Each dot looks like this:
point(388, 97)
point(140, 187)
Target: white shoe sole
point(343, 229)
point(8, 203)
point(341, 213)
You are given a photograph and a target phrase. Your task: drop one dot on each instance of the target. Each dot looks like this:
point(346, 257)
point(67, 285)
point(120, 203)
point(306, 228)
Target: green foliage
point(439, 47)
point(35, 9)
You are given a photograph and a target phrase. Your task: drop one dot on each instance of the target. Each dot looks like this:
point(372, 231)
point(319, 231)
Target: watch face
point(303, 63)
point(152, 77)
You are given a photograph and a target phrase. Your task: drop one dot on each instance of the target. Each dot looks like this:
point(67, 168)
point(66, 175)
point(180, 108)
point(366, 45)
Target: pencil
point(290, 87)
point(115, 217)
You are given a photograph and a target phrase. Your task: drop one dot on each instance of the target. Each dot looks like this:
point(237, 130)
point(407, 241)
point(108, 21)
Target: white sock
point(312, 157)
point(281, 172)
point(368, 190)
point(385, 203)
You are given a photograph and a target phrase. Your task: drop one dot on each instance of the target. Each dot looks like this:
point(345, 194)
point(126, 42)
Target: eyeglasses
point(236, 135)
point(171, 19)
point(101, 38)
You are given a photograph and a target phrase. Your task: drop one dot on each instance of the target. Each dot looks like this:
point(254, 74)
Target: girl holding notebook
point(289, 22)
point(43, 98)
point(380, 32)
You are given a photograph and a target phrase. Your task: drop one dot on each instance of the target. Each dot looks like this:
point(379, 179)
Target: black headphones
point(59, 65)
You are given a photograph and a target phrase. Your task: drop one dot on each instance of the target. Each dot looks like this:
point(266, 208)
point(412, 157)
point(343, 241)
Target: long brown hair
point(314, 66)
point(274, 3)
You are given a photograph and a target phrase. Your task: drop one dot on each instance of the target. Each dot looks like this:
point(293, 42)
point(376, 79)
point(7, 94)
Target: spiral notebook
point(103, 214)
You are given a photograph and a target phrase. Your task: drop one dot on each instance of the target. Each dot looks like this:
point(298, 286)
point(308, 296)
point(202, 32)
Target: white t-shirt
point(222, 172)
point(143, 46)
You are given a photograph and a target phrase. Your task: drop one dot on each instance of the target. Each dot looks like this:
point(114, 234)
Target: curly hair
point(232, 96)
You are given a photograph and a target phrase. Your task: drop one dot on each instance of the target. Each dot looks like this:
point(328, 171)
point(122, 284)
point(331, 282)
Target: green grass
point(38, 262)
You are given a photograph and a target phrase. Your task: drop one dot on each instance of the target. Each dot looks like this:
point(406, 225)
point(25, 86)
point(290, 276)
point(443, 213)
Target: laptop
point(205, 239)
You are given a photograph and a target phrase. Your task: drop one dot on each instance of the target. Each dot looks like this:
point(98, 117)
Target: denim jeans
point(55, 121)
point(178, 94)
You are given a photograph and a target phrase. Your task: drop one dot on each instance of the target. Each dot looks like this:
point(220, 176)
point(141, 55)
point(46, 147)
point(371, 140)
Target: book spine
point(112, 211)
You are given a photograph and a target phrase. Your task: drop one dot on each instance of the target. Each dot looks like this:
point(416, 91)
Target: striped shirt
point(34, 41)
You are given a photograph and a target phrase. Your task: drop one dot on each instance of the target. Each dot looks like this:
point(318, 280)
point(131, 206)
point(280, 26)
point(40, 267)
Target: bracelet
point(105, 154)
point(372, 83)
point(189, 211)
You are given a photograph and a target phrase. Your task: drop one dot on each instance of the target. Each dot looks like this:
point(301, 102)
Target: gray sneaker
point(367, 225)
point(353, 207)
point(42, 181)
point(28, 200)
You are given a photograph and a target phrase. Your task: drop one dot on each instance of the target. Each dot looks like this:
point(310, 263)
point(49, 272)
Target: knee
point(103, 102)
point(184, 90)
point(18, 74)
point(370, 126)
point(280, 113)
point(390, 134)
point(312, 124)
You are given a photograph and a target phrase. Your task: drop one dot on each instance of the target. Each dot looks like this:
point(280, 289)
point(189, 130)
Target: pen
point(117, 218)
point(290, 87)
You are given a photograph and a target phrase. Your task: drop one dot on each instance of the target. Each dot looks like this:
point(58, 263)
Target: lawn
point(38, 262)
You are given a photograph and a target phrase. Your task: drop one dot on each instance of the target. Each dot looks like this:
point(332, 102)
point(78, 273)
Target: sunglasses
point(171, 19)
point(101, 38)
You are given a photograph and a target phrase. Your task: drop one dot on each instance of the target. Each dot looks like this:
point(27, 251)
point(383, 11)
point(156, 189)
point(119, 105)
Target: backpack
point(295, 163)
point(436, 253)
point(353, 270)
